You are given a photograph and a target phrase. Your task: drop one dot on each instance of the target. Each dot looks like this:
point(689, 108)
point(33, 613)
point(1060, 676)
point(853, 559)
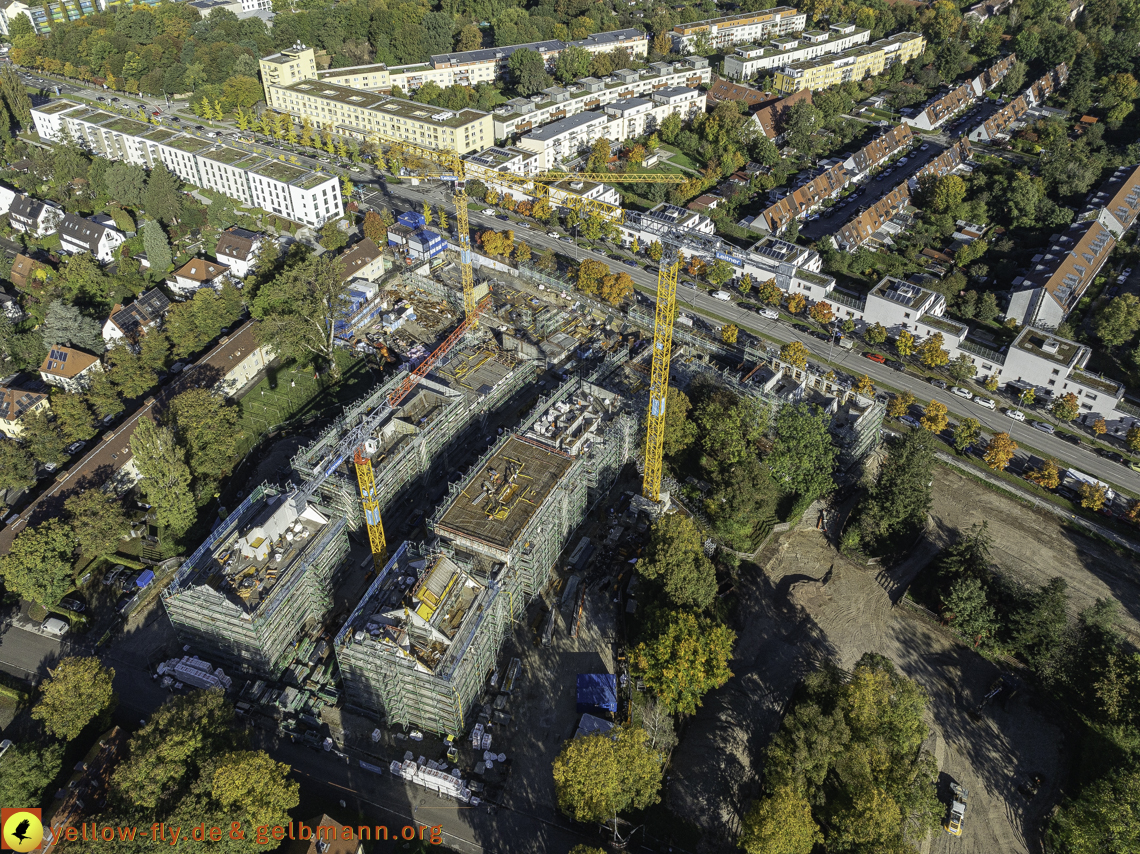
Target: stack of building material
point(193, 671)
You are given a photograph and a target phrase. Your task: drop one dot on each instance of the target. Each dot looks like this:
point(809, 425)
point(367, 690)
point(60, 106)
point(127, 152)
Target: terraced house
point(308, 197)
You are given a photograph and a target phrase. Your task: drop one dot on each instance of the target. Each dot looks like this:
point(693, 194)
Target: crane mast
point(659, 374)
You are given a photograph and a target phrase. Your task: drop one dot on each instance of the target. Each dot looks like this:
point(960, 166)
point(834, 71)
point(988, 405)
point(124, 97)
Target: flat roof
point(277, 171)
point(53, 107)
point(562, 125)
point(329, 91)
point(1046, 346)
point(498, 502)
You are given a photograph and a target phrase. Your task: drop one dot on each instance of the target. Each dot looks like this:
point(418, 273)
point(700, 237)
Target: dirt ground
point(1035, 548)
point(808, 604)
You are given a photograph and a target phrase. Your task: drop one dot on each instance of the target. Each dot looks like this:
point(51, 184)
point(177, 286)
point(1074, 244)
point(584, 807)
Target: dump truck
point(953, 824)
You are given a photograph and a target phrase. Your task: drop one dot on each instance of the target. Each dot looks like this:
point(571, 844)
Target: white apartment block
point(462, 68)
point(296, 193)
point(521, 115)
point(563, 140)
point(738, 29)
point(359, 114)
point(749, 60)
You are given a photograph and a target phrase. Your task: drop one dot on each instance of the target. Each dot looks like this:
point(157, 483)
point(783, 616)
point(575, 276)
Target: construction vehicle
point(1001, 689)
point(953, 824)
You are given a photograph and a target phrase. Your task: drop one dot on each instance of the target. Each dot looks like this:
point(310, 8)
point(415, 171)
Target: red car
point(875, 357)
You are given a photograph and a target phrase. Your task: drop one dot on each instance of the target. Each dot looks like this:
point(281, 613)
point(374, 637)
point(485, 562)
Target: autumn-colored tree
point(991, 383)
point(374, 228)
point(1133, 512)
point(1066, 407)
point(796, 303)
point(794, 353)
point(780, 823)
point(728, 333)
point(684, 657)
point(865, 386)
point(821, 313)
point(1092, 496)
point(1000, 451)
point(900, 404)
point(616, 289)
point(934, 417)
point(1099, 427)
point(655, 251)
point(966, 432)
point(931, 352)
point(522, 253)
point(904, 344)
point(1047, 477)
point(1132, 437)
point(770, 292)
point(876, 334)
point(591, 274)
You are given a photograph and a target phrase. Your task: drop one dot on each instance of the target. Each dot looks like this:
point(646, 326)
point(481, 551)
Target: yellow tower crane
point(447, 164)
point(659, 374)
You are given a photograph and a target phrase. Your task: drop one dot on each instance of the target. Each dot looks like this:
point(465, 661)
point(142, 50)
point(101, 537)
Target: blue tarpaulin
point(597, 691)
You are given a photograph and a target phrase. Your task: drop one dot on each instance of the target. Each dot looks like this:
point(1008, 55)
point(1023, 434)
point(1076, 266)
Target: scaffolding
point(265, 575)
point(499, 534)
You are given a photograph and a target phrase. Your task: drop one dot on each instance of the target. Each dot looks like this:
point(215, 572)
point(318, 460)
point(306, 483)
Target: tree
point(131, 377)
point(522, 252)
point(65, 324)
point(676, 557)
point(803, 455)
point(73, 416)
point(42, 438)
point(38, 566)
point(617, 288)
point(251, 786)
point(163, 196)
point(961, 368)
point(599, 158)
point(729, 332)
point(26, 772)
point(930, 351)
point(1039, 627)
point(374, 228)
point(966, 432)
point(900, 498)
point(968, 610)
point(98, 521)
point(210, 428)
point(1066, 407)
point(528, 70)
point(1105, 818)
point(331, 236)
point(821, 313)
point(1132, 437)
point(1117, 322)
point(900, 404)
point(780, 823)
point(591, 273)
point(1000, 451)
point(904, 344)
point(876, 335)
point(125, 183)
point(1048, 476)
point(796, 303)
point(103, 397)
point(720, 272)
point(864, 386)
point(679, 431)
point(597, 776)
point(1092, 496)
point(934, 417)
point(298, 309)
point(655, 251)
point(801, 122)
point(671, 128)
point(165, 477)
point(157, 246)
point(77, 692)
point(683, 658)
point(770, 292)
point(1099, 427)
point(795, 354)
point(572, 64)
point(946, 194)
point(470, 38)
point(17, 468)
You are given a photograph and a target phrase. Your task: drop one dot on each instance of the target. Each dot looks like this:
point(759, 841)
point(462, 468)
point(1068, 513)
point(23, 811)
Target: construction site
point(424, 640)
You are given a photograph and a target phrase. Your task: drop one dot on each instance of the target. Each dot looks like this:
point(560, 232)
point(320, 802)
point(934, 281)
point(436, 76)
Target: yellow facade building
point(855, 64)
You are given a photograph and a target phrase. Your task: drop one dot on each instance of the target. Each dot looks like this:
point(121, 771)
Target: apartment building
point(936, 112)
point(738, 29)
point(854, 64)
point(462, 68)
point(521, 115)
point(43, 15)
point(359, 114)
point(564, 140)
point(308, 197)
point(998, 126)
point(749, 60)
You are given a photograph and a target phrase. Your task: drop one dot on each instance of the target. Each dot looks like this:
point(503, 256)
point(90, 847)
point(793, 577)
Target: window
point(1052, 382)
point(1056, 371)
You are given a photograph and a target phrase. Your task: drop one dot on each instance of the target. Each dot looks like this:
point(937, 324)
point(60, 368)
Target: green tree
point(904, 344)
point(729, 426)
point(801, 122)
point(675, 556)
point(17, 468)
point(780, 823)
point(125, 183)
point(42, 438)
point(720, 272)
point(38, 566)
point(298, 310)
point(671, 127)
point(210, 429)
point(165, 477)
point(98, 521)
point(26, 772)
point(679, 431)
point(163, 196)
point(1066, 407)
point(73, 416)
point(103, 397)
point(961, 368)
point(131, 377)
point(154, 349)
point(945, 194)
point(254, 788)
point(966, 433)
point(1038, 629)
point(65, 324)
point(683, 658)
point(900, 499)
point(803, 455)
point(597, 776)
point(78, 690)
point(572, 64)
point(157, 246)
point(528, 70)
point(967, 608)
point(331, 236)
point(1117, 322)
point(1104, 819)
point(876, 335)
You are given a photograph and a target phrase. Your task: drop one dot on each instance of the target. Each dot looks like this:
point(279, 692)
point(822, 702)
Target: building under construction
point(416, 437)
point(423, 641)
point(261, 579)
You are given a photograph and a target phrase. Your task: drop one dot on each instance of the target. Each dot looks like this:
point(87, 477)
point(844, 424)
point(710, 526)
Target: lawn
point(680, 159)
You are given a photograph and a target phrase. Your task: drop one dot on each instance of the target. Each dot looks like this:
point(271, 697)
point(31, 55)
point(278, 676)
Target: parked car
point(489, 211)
point(924, 146)
point(1112, 456)
point(937, 383)
point(629, 262)
point(54, 626)
point(75, 447)
point(770, 313)
point(1015, 414)
point(896, 366)
point(911, 421)
point(113, 576)
point(1071, 438)
point(1045, 428)
point(72, 604)
point(962, 392)
point(985, 402)
point(875, 357)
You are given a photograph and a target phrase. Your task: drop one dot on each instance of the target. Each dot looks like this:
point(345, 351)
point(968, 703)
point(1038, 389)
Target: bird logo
point(23, 830)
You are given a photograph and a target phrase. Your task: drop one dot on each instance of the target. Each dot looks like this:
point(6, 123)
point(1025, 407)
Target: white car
point(962, 392)
point(1045, 428)
point(770, 313)
point(552, 234)
point(1015, 414)
point(489, 211)
point(924, 146)
point(903, 161)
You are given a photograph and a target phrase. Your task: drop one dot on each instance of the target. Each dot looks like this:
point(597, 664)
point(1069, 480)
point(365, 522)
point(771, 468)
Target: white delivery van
point(770, 313)
point(724, 296)
point(55, 626)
